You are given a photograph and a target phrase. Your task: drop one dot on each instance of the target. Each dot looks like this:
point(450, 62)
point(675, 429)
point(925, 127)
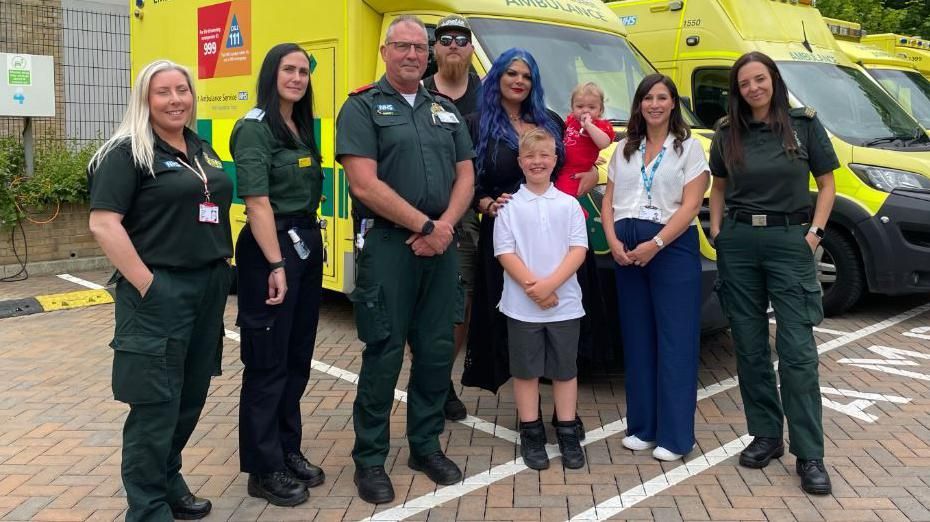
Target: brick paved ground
point(60, 435)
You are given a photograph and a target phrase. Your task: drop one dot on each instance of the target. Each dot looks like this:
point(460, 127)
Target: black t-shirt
point(501, 171)
point(770, 180)
point(161, 213)
point(468, 103)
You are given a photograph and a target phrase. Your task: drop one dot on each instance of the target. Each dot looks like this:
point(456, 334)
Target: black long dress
point(487, 363)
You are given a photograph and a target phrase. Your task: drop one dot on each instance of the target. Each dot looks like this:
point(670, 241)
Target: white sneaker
point(661, 453)
point(634, 443)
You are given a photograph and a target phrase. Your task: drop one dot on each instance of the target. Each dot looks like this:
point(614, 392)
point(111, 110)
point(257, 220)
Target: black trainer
point(374, 485)
point(454, 409)
point(761, 451)
point(438, 467)
point(814, 477)
point(190, 507)
point(277, 488)
point(570, 445)
point(303, 471)
point(578, 424)
point(533, 445)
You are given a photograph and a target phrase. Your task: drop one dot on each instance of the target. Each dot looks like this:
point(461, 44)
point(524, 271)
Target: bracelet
point(276, 265)
point(487, 208)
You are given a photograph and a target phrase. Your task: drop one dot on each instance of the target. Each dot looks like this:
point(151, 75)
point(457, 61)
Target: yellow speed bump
point(70, 300)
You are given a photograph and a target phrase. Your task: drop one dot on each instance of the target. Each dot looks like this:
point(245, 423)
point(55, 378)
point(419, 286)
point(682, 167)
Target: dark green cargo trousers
point(400, 297)
point(758, 265)
point(166, 346)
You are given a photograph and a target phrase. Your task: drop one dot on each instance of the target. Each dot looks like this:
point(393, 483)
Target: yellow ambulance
point(878, 238)
point(894, 73)
point(914, 49)
point(224, 42)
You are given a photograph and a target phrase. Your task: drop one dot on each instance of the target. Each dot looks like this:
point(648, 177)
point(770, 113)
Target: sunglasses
point(461, 40)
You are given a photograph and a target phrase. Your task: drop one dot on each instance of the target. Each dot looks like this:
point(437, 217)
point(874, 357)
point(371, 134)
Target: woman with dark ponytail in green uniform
point(279, 260)
point(159, 201)
point(761, 159)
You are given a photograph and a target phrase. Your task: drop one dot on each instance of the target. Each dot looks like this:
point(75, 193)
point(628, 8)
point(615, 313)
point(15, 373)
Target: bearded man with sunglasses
point(456, 80)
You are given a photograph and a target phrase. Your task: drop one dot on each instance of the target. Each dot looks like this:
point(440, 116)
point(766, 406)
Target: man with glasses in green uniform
point(407, 155)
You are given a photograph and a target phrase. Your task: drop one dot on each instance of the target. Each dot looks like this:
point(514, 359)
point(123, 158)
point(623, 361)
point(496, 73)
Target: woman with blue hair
point(511, 104)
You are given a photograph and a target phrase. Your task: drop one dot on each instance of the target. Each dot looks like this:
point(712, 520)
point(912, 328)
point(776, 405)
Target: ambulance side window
point(431, 64)
point(710, 89)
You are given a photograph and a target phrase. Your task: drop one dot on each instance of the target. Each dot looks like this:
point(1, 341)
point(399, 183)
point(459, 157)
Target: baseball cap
point(452, 23)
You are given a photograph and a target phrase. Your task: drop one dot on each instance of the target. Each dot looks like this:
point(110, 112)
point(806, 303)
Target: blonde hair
point(136, 127)
point(532, 138)
point(590, 89)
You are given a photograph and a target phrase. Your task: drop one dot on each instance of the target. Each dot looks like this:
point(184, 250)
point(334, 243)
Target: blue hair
point(494, 123)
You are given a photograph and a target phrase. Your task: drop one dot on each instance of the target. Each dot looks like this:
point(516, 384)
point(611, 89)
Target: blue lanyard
point(647, 182)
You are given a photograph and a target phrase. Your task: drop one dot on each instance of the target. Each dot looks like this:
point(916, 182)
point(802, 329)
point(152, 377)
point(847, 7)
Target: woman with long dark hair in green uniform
point(159, 203)
point(761, 160)
point(279, 259)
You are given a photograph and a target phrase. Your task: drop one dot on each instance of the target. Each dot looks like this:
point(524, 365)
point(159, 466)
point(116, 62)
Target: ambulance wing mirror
point(686, 101)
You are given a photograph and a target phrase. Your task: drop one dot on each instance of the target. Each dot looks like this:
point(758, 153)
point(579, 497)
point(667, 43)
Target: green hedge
point(60, 176)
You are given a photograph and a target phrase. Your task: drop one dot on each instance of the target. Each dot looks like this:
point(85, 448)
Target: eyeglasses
point(460, 40)
point(404, 47)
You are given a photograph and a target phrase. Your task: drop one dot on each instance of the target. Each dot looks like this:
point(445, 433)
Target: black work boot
point(761, 451)
point(533, 445)
point(569, 444)
point(814, 477)
point(277, 488)
point(578, 424)
point(454, 409)
point(190, 507)
point(303, 471)
point(374, 485)
point(437, 466)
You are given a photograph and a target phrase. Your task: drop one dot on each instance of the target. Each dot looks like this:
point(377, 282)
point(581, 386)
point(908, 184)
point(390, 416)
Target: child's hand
point(586, 120)
point(539, 290)
point(549, 302)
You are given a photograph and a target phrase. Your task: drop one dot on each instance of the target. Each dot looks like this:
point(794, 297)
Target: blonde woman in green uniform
point(159, 203)
point(761, 160)
point(279, 259)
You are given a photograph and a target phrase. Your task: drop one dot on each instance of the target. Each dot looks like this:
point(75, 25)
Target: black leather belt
point(384, 223)
point(284, 223)
point(770, 220)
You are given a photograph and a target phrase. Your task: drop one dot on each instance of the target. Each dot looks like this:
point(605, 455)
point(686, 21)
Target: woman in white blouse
point(656, 182)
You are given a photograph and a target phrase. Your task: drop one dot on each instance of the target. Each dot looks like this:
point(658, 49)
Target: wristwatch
point(428, 227)
point(276, 265)
point(817, 231)
point(659, 242)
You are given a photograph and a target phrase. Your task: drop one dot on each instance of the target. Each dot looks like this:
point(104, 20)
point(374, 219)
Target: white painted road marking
point(79, 281)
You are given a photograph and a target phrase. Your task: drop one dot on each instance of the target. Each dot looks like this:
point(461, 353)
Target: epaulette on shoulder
point(723, 122)
point(255, 114)
point(803, 112)
point(362, 89)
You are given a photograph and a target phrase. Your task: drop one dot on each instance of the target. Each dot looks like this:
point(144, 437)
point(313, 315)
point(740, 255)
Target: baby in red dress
point(585, 136)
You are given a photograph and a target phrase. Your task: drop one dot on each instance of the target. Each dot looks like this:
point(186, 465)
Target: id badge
point(209, 213)
point(447, 117)
point(649, 213)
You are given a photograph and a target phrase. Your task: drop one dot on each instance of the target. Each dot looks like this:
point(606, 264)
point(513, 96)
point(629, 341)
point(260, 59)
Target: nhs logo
point(628, 20)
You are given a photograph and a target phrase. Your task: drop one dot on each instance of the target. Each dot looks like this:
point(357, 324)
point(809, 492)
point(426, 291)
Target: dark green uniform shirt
point(771, 181)
point(415, 151)
point(161, 213)
point(291, 178)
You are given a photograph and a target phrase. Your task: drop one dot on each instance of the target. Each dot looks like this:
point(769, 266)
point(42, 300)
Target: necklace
point(514, 117)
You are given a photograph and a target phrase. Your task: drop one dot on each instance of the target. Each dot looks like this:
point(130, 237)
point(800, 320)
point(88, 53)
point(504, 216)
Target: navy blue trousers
point(660, 325)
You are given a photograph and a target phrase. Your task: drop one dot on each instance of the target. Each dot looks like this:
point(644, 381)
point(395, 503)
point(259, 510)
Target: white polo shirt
point(540, 230)
point(672, 174)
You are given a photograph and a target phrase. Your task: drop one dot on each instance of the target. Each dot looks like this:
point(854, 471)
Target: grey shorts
point(466, 232)
point(543, 349)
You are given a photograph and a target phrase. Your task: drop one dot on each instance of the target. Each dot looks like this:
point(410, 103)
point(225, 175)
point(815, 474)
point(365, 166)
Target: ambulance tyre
point(839, 272)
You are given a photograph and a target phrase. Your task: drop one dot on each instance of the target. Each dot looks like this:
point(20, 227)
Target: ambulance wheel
point(839, 271)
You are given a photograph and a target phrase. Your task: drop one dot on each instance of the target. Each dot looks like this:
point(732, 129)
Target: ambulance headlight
point(886, 179)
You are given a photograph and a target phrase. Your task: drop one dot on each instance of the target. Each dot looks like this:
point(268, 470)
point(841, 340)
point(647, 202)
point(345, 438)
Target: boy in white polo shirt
point(540, 240)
